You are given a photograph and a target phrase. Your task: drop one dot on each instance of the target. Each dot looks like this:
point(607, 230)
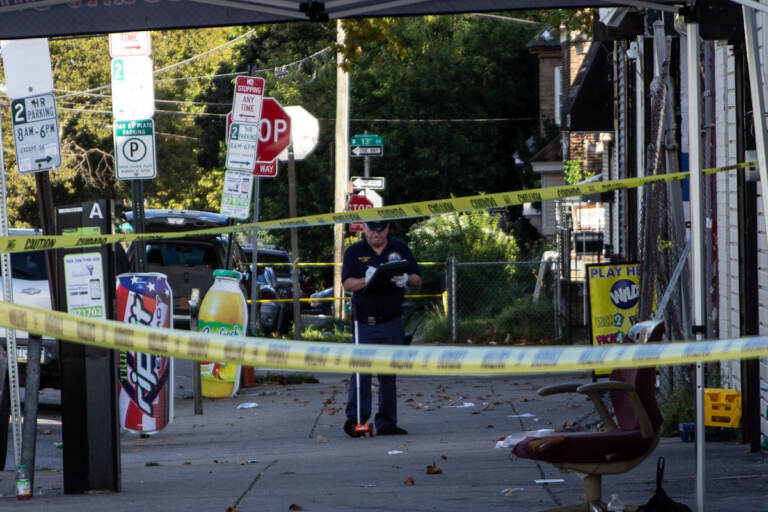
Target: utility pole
point(341, 168)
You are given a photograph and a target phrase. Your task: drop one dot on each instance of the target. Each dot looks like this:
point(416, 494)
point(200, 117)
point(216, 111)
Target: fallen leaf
point(289, 473)
point(475, 412)
point(434, 470)
point(490, 426)
point(47, 432)
point(409, 481)
point(523, 399)
point(242, 463)
point(419, 394)
point(231, 509)
point(187, 463)
point(485, 407)
point(295, 507)
point(444, 457)
point(321, 439)
point(510, 492)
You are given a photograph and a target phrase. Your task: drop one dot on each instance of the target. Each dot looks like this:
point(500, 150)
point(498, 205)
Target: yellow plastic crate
point(722, 407)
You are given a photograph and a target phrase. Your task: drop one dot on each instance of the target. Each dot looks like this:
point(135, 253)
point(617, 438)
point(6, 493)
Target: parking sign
point(135, 149)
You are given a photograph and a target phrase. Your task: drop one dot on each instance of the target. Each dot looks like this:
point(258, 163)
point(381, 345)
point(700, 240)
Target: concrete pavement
point(291, 452)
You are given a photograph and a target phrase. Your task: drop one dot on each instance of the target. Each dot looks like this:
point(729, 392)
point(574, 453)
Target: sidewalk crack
point(237, 502)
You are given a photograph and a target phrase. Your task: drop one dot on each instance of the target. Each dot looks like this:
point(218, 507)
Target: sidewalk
point(291, 450)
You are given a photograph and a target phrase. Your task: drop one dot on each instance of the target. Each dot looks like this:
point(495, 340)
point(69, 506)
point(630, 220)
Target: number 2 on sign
point(117, 69)
point(18, 114)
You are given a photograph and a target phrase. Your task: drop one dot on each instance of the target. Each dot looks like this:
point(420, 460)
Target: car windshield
point(170, 253)
point(29, 266)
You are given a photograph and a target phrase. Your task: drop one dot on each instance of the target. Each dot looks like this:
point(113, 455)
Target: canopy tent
point(45, 18)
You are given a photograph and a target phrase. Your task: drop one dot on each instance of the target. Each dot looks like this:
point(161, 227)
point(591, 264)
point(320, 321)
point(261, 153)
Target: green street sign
point(368, 144)
point(367, 139)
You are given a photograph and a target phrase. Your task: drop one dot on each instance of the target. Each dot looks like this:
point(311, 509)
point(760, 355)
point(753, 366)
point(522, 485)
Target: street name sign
point(367, 144)
point(130, 44)
point(373, 183)
point(36, 133)
point(135, 156)
point(355, 203)
point(247, 101)
point(242, 146)
point(133, 88)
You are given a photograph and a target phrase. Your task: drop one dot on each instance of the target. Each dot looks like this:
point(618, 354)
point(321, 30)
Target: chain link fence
point(502, 300)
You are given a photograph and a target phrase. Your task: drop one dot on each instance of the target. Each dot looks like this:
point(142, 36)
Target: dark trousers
point(388, 333)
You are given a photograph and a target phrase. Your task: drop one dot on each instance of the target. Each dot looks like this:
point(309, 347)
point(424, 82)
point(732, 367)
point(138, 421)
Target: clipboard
point(385, 272)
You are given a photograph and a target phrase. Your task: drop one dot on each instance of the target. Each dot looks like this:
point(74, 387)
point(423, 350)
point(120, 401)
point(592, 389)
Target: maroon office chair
point(631, 433)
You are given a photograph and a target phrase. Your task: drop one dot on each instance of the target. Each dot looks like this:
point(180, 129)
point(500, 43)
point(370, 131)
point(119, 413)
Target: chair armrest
point(554, 389)
point(595, 389)
point(602, 387)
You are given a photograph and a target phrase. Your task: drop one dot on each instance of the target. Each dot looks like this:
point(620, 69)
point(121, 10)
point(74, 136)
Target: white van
point(30, 288)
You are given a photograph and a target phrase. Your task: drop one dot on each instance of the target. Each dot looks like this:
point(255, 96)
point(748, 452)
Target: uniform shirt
point(386, 301)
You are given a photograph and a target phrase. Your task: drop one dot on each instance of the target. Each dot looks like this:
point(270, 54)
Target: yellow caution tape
point(322, 299)
point(384, 359)
point(11, 244)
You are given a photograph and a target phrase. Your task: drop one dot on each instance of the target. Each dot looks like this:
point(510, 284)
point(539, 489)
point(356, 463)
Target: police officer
point(378, 312)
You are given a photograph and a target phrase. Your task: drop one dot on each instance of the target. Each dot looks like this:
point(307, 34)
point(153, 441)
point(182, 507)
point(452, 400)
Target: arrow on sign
point(47, 160)
point(367, 150)
point(373, 183)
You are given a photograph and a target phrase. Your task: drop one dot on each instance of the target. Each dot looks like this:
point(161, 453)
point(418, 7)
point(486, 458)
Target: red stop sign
point(358, 203)
point(274, 130)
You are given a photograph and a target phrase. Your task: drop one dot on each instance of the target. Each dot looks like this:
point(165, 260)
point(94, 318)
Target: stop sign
point(358, 203)
point(274, 130)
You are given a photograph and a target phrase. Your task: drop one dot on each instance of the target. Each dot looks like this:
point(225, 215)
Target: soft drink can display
point(146, 380)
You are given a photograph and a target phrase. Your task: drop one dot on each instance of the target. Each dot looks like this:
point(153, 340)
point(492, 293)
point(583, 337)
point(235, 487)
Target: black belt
point(376, 320)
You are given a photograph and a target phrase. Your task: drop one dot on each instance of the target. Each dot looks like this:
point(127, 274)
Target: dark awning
point(41, 18)
point(589, 104)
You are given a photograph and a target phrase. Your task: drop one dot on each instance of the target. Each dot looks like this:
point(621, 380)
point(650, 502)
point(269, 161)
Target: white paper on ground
point(512, 439)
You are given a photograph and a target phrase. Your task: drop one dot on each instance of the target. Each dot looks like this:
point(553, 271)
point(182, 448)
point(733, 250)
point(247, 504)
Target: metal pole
point(758, 101)
point(5, 269)
point(697, 243)
point(255, 292)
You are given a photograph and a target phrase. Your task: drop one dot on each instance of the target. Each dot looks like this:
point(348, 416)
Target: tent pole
point(758, 101)
point(697, 242)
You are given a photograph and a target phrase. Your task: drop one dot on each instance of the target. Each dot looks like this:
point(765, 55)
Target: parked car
point(322, 303)
point(188, 262)
point(29, 275)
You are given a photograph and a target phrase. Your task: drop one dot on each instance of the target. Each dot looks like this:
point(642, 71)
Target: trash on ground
point(294, 506)
point(550, 481)
point(394, 452)
point(367, 485)
point(510, 491)
point(321, 439)
point(524, 415)
point(462, 406)
point(434, 470)
point(512, 439)
point(248, 405)
point(409, 481)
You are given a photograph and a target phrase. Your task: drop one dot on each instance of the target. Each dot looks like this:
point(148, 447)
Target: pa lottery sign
point(614, 299)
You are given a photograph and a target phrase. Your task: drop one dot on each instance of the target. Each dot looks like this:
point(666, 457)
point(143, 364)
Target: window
point(29, 266)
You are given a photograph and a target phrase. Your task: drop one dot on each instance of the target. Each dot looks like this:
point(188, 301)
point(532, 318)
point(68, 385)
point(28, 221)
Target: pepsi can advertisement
point(146, 380)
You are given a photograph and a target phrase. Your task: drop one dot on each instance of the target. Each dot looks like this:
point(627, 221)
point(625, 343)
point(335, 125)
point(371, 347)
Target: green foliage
point(473, 236)
point(572, 171)
point(677, 407)
point(330, 330)
point(521, 322)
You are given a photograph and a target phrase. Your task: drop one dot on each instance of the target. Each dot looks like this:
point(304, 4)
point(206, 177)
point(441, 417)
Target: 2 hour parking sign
point(135, 149)
point(36, 133)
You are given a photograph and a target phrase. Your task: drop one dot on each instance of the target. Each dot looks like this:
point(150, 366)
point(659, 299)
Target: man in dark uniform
point(378, 313)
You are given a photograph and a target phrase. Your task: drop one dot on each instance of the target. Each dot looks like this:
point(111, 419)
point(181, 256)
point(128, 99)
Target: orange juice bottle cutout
point(223, 311)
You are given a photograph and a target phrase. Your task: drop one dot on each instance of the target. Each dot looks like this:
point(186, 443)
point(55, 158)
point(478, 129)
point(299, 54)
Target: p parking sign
point(135, 149)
